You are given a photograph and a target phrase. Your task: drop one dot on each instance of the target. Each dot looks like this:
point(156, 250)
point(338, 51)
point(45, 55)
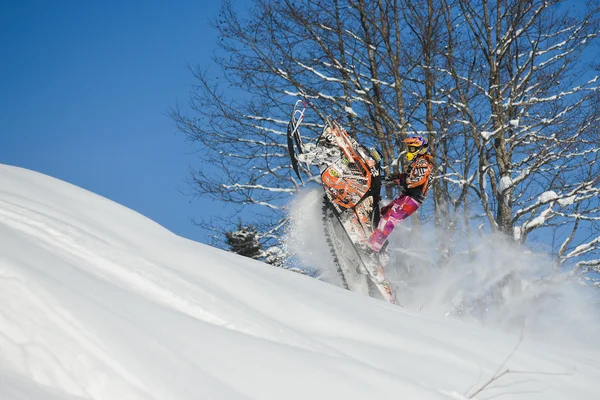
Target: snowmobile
point(351, 178)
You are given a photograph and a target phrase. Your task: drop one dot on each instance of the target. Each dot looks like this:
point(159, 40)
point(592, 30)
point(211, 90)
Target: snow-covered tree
point(526, 103)
point(501, 88)
point(244, 241)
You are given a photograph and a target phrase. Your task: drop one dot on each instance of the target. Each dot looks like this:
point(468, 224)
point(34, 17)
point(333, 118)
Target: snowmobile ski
point(293, 134)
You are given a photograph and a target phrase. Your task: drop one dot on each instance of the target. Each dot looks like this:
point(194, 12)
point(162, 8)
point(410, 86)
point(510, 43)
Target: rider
point(413, 184)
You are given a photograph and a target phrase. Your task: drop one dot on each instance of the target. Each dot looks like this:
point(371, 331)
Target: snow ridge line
point(134, 273)
point(111, 265)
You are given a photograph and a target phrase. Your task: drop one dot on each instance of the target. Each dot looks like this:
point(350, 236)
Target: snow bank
point(98, 302)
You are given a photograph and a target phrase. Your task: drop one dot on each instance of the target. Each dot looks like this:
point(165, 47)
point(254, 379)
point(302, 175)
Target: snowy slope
point(98, 302)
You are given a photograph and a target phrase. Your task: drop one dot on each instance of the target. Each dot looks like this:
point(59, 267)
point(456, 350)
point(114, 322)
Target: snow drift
point(486, 279)
point(98, 302)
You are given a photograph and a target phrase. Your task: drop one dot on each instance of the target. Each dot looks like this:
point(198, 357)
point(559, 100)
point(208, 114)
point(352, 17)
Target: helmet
point(415, 145)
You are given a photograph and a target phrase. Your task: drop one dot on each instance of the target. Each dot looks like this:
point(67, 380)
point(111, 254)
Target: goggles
point(412, 149)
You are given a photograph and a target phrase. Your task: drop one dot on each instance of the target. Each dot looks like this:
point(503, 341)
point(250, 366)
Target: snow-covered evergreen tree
point(244, 241)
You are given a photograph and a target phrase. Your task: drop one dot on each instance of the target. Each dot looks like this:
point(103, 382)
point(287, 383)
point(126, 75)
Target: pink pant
point(393, 213)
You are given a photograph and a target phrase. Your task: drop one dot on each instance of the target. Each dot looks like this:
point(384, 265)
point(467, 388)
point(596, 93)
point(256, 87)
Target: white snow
point(282, 73)
point(584, 248)
point(552, 195)
point(350, 111)
point(486, 134)
point(99, 302)
point(567, 201)
point(506, 183)
point(548, 196)
point(517, 233)
point(538, 220)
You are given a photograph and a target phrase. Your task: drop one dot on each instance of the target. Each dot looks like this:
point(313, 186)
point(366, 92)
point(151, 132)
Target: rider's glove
point(399, 179)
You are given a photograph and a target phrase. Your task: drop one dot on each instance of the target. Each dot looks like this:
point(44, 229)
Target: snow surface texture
point(98, 302)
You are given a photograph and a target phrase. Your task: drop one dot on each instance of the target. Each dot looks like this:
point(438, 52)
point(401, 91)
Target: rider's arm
point(398, 179)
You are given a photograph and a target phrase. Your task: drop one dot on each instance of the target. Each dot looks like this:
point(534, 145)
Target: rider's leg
point(400, 208)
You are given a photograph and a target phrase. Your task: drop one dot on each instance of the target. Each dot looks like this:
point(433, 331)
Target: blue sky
point(85, 91)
